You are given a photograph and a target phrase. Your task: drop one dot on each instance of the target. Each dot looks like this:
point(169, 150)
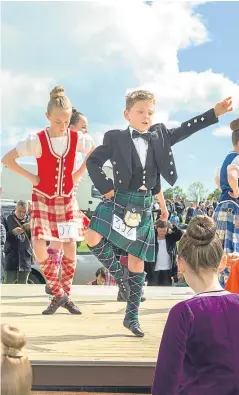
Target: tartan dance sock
point(56, 256)
point(67, 274)
point(50, 272)
point(136, 283)
point(105, 254)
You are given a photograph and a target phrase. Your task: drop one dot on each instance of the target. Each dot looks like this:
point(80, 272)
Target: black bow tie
point(145, 136)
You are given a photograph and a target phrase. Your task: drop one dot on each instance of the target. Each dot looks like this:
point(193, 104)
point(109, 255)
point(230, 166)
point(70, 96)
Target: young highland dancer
point(55, 215)
point(139, 156)
point(226, 214)
point(79, 123)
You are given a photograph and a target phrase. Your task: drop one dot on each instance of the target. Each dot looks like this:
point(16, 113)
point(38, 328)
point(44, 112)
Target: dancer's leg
point(50, 272)
point(136, 282)
point(68, 266)
point(104, 252)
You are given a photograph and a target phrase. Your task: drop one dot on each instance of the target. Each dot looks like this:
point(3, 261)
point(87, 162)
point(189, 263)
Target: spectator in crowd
point(210, 210)
point(170, 207)
point(190, 213)
point(100, 277)
point(164, 268)
point(174, 219)
point(16, 372)
point(199, 349)
point(156, 210)
point(180, 208)
point(3, 241)
point(200, 210)
point(18, 250)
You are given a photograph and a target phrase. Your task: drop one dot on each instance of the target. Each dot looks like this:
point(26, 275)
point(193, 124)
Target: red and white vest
point(55, 171)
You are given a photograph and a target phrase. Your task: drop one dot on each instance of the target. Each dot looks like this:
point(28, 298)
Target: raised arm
point(199, 122)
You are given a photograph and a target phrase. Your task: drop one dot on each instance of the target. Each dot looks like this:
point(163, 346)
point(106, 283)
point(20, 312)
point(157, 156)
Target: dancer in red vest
point(55, 214)
point(79, 123)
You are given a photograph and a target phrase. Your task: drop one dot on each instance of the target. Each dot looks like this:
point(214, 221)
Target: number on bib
point(119, 226)
point(67, 230)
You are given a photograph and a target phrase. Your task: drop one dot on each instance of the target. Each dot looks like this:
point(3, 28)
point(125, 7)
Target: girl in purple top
point(199, 351)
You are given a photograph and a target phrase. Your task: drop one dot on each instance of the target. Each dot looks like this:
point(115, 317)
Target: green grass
point(82, 247)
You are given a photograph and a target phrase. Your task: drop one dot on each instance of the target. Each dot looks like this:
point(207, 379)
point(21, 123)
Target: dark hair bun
point(234, 125)
point(201, 230)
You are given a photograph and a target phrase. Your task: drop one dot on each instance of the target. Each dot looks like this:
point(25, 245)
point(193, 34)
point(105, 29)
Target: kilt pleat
point(227, 224)
point(144, 245)
point(47, 213)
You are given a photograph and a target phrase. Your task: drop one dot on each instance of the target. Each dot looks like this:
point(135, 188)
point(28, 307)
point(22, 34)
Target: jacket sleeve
point(157, 187)
point(176, 234)
point(192, 126)
point(95, 164)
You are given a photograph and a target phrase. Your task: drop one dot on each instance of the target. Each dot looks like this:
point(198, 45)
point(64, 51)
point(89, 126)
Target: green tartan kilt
point(144, 245)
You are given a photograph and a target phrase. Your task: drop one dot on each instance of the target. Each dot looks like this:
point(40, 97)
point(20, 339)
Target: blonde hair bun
point(58, 91)
point(201, 230)
point(12, 338)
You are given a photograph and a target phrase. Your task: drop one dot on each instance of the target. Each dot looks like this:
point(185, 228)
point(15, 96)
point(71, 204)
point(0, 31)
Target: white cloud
point(21, 92)
point(222, 131)
point(143, 40)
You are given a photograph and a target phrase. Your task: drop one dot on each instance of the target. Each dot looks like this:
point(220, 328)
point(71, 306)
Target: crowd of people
point(198, 353)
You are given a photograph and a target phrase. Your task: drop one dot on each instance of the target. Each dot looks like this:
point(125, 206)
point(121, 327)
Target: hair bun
point(234, 125)
point(201, 230)
point(74, 110)
point(12, 338)
point(58, 91)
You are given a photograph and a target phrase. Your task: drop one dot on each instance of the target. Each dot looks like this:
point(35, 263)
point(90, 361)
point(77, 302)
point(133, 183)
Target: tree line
point(196, 192)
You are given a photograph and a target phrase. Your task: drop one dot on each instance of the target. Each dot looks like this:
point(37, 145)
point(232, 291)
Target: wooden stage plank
point(97, 336)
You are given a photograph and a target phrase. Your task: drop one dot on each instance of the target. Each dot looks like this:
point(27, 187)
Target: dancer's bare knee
point(92, 238)
point(135, 264)
point(69, 249)
point(40, 250)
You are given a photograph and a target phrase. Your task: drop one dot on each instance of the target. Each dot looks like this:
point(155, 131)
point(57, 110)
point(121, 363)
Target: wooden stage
point(94, 349)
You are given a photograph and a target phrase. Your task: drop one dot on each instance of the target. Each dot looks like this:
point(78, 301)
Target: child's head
point(234, 125)
point(59, 110)
point(16, 369)
point(78, 121)
point(100, 276)
point(161, 228)
point(140, 106)
point(200, 250)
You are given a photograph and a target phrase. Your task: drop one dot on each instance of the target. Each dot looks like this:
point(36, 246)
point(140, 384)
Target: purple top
point(199, 351)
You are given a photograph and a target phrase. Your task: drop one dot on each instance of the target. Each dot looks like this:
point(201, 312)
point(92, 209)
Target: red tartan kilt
point(47, 213)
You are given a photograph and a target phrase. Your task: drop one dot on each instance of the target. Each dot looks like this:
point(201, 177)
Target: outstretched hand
point(223, 107)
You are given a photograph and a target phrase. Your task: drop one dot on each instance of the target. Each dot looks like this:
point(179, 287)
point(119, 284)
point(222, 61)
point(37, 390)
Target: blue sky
point(186, 54)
